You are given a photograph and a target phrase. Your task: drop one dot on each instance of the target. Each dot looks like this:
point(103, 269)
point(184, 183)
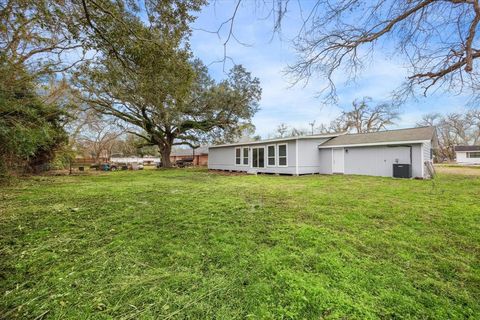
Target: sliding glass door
point(258, 157)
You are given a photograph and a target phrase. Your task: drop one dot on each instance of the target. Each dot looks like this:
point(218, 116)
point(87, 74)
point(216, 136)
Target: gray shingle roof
point(390, 136)
point(188, 151)
point(467, 148)
point(275, 140)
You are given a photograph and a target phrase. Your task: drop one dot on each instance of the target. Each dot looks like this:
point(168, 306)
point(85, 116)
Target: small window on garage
point(245, 156)
point(238, 159)
point(271, 155)
point(282, 155)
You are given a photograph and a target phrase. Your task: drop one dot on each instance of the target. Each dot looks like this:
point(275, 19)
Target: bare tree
point(297, 132)
point(438, 40)
point(312, 126)
point(454, 129)
point(281, 130)
point(98, 135)
point(475, 118)
point(364, 117)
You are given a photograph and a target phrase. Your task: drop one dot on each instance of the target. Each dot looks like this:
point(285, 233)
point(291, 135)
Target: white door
point(338, 161)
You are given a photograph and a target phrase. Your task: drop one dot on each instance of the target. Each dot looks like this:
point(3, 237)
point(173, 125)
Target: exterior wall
point(379, 160)
point(462, 158)
point(427, 157)
point(202, 160)
point(223, 158)
point(418, 166)
point(199, 160)
point(366, 160)
point(311, 159)
point(135, 159)
point(426, 147)
point(326, 161)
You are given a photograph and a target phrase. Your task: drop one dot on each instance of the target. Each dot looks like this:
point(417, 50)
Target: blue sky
point(267, 59)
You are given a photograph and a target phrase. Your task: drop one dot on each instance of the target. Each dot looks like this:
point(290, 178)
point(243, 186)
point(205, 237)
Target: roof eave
point(373, 144)
point(276, 140)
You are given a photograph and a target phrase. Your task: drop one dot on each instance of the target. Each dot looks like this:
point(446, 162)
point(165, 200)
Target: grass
point(196, 245)
point(455, 165)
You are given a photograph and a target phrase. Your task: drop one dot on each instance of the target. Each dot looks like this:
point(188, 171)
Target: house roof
point(467, 148)
point(409, 135)
point(189, 151)
point(315, 136)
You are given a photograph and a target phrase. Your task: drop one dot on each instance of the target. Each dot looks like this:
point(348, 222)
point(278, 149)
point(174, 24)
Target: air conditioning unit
point(402, 170)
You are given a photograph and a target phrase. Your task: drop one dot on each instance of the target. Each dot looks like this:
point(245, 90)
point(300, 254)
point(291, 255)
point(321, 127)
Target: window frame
point(243, 156)
point(258, 158)
point(476, 153)
point(275, 153)
point(235, 156)
point(286, 155)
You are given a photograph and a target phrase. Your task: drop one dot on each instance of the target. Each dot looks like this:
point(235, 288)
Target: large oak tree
point(169, 98)
point(44, 39)
point(55, 35)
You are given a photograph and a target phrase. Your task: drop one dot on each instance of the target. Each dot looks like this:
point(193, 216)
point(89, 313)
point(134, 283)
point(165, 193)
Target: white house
point(400, 153)
point(146, 159)
point(467, 154)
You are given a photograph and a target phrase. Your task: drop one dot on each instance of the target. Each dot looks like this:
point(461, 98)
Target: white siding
point(417, 163)
point(426, 151)
point(462, 158)
point(311, 159)
point(223, 158)
point(379, 160)
point(367, 160)
point(134, 159)
point(326, 161)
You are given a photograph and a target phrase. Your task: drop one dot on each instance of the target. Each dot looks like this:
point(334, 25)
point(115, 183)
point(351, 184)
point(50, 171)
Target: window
point(271, 155)
point(238, 159)
point(245, 156)
point(473, 154)
point(282, 155)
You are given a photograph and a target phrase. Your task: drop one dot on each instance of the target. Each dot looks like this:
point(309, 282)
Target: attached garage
point(379, 153)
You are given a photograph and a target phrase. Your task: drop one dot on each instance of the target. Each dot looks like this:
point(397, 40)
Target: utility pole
point(312, 124)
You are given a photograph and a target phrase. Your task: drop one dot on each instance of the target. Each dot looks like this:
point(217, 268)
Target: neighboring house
point(373, 154)
point(143, 160)
point(200, 158)
point(199, 155)
point(467, 154)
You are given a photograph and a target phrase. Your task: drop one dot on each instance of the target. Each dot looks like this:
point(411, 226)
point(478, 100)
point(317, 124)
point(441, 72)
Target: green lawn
point(192, 244)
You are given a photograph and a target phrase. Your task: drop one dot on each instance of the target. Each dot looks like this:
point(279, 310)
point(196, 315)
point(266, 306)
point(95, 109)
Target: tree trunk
point(165, 151)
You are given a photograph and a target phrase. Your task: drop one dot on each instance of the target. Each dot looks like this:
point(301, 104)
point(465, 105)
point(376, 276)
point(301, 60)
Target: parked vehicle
point(135, 166)
point(104, 167)
point(184, 163)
